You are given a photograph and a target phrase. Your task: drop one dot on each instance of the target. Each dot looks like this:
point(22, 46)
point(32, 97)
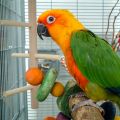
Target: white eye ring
point(51, 19)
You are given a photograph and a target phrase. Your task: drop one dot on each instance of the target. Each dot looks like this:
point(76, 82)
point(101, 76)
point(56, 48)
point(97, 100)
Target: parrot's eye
point(50, 19)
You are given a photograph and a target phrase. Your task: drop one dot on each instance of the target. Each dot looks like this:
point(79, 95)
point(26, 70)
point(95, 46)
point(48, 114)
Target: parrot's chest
point(74, 71)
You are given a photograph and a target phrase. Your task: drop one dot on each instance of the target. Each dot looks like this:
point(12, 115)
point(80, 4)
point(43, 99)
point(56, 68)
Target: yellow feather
point(63, 26)
point(60, 30)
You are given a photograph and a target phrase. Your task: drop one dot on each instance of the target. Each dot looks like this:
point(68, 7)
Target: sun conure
point(89, 58)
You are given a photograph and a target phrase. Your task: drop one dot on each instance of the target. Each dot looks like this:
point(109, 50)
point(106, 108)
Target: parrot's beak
point(42, 31)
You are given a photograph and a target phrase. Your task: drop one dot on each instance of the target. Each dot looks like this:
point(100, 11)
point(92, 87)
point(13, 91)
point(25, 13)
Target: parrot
point(90, 59)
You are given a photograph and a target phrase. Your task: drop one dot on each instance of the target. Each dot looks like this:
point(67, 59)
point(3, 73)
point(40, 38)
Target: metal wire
point(12, 70)
point(92, 13)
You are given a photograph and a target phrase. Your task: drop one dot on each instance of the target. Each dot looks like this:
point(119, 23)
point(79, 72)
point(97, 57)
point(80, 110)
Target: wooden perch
point(85, 112)
point(38, 56)
point(17, 90)
point(14, 23)
point(75, 105)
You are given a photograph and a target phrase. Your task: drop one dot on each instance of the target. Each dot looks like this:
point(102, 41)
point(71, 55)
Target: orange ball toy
point(58, 89)
point(34, 76)
point(49, 118)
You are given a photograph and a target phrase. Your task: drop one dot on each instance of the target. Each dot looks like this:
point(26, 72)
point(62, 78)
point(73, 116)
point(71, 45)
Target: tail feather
point(115, 99)
point(110, 110)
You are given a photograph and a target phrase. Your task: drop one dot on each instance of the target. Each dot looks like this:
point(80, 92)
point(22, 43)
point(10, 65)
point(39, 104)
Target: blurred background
point(93, 14)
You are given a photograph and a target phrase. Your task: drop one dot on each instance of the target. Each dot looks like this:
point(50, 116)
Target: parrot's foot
point(63, 62)
point(88, 102)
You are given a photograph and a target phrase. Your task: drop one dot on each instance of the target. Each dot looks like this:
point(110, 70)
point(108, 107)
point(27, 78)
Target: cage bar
point(33, 45)
point(37, 56)
point(14, 23)
point(17, 90)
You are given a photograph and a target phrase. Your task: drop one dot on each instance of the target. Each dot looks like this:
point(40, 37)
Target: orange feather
point(61, 31)
point(74, 71)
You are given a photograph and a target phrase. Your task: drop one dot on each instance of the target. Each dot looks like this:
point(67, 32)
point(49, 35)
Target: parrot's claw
point(87, 103)
point(78, 95)
point(63, 62)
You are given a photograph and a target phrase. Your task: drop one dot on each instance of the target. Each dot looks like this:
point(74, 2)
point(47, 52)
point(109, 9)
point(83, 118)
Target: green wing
point(96, 60)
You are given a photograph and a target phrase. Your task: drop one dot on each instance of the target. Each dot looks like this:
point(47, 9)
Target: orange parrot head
point(57, 24)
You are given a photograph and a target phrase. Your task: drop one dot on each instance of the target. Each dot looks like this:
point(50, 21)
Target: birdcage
point(21, 48)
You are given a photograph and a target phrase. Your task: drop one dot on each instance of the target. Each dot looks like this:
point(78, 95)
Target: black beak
point(42, 31)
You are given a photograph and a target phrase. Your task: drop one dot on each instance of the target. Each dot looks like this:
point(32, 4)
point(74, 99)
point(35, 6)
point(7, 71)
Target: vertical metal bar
point(24, 97)
point(77, 2)
point(2, 61)
point(102, 19)
point(33, 45)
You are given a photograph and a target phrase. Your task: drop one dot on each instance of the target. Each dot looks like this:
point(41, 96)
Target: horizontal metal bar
point(38, 56)
point(39, 2)
point(12, 48)
point(17, 90)
point(14, 23)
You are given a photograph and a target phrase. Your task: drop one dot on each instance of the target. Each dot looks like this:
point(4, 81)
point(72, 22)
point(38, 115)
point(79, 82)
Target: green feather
point(96, 60)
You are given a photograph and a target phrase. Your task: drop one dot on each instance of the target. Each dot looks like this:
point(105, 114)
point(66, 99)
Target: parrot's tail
point(115, 99)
